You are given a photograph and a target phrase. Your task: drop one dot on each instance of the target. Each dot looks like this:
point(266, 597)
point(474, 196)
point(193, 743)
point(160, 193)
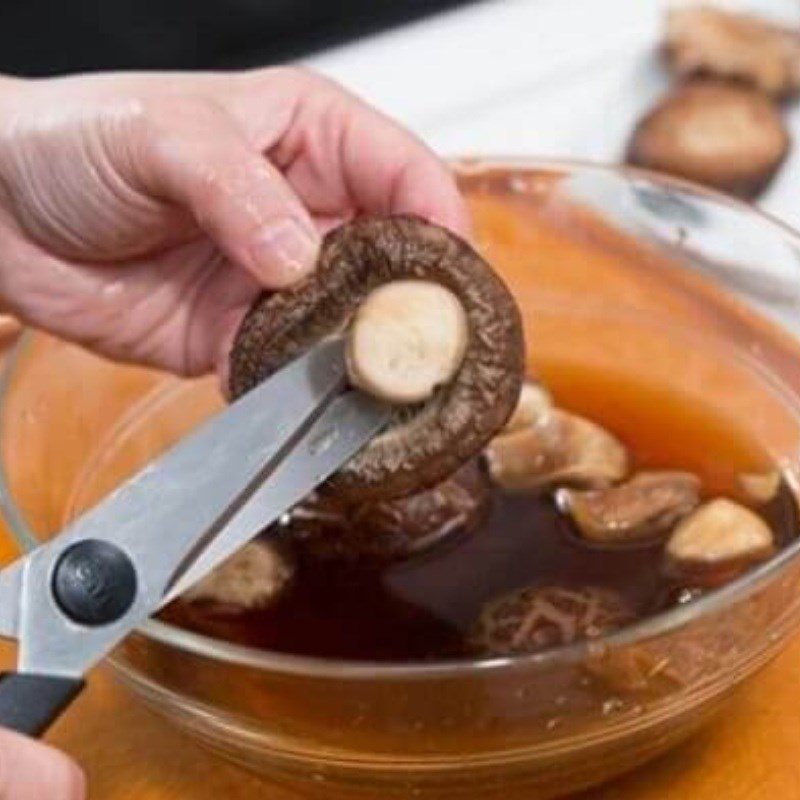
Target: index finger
point(342, 156)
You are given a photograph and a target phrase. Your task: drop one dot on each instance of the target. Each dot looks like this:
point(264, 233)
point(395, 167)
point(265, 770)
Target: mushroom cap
point(535, 618)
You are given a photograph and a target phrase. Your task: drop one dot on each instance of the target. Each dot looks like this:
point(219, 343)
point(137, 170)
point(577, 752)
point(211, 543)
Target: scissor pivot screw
point(94, 582)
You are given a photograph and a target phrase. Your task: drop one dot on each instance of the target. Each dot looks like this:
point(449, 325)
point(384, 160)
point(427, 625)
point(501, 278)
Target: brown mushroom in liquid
point(324, 527)
point(717, 542)
point(251, 578)
point(536, 618)
point(426, 443)
point(760, 487)
point(642, 509)
point(533, 406)
point(561, 449)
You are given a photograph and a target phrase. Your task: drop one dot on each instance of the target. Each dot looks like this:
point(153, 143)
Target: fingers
point(339, 153)
point(194, 154)
point(33, 771)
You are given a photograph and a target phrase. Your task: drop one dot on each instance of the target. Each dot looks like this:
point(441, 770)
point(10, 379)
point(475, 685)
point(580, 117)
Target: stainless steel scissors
point(71, 600)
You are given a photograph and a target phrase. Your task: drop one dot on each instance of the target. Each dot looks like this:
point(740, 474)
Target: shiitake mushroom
point(327, 528)
point(718, 542)
point(536, 618)
point(722, 135)
point(428, 441)
point(559, 449)
point(252, 578)
point(645, 507)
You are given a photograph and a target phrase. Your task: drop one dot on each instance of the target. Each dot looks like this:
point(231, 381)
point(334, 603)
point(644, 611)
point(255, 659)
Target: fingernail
point(283, 252)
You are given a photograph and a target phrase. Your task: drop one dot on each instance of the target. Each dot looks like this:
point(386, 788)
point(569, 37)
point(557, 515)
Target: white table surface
point(556, 78)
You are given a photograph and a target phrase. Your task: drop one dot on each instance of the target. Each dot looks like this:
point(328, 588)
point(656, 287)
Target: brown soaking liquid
point(421, 608)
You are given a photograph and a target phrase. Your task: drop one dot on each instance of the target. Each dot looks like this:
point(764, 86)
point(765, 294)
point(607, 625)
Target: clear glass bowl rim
point(657, 625)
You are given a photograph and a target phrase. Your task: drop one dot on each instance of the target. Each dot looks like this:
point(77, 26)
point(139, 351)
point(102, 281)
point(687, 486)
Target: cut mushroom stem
point(562, 449)
point(533, 406)
point(406, 339)
point(642, 509)
point(719, 540)
point(251, 578)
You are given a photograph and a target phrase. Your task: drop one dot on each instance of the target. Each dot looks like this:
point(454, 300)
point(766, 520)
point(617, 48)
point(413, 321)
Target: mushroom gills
point(642, 509)
point(560, 449)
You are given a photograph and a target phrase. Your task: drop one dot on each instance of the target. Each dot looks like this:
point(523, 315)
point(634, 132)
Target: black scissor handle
point(30, 703)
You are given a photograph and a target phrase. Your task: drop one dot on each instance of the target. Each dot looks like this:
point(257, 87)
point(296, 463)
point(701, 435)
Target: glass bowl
point(615, 270)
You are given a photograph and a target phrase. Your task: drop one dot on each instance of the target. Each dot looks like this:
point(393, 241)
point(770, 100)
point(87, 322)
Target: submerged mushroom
point(760, 487)
point(712, 41)
point(728, 137)
point(533, 407)
point(561, 449)
point(426, 442)
point(326, 528)
point(643, 508)
point(536, 618)
point(717, 542)
point(251, 578)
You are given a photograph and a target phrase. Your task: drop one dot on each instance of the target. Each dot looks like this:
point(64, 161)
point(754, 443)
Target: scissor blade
point(346, 426)
point(157, 516)
point(10, 586)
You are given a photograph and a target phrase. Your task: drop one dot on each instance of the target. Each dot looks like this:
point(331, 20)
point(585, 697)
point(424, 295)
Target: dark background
point(41, 37)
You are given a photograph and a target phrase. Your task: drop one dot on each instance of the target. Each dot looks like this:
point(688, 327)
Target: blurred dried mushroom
point(701, 40)
point(562, 448)
point(325, 528)
point(643, 508)
point(728, 137)
point(536, 618)
point(426, 444)
point(719, 539)
point(251, 578)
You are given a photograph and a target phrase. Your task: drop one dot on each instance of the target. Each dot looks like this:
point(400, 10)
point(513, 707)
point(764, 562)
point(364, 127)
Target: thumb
point(33, 771)
point(198, 158)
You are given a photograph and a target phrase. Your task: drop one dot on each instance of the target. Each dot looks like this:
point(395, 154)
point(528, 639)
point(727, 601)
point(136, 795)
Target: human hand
point(30, 770)
point(141, 214)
